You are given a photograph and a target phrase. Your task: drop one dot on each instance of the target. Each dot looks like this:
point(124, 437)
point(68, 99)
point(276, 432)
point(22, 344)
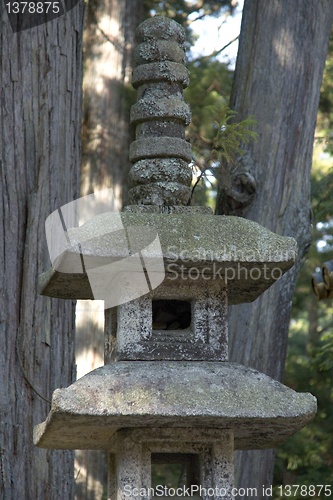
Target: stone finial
point(160, 154)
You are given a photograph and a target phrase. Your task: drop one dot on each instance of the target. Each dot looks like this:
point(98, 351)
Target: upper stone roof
point(237, 252)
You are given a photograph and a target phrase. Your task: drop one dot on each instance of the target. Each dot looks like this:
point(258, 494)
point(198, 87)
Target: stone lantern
point(167, 393)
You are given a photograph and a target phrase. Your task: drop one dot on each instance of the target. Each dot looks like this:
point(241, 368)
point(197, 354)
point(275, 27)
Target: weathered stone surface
point(160, 128)
point(159, 50)
point(149, 329)
point(132, 451)
point(197, 249)
point(162, 108)
point(168, 209)
point(161, 71)
point(160, 27)
point(160, 193)
point(160, 169)
point(260, 411)
point(160, 147)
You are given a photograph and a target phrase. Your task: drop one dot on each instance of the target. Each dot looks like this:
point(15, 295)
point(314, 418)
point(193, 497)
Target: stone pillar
point(129, 466)
point(132, 455)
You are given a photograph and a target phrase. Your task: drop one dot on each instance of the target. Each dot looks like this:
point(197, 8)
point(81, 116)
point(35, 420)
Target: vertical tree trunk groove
point(108, 55)
point(282, 51)
point(40, 117)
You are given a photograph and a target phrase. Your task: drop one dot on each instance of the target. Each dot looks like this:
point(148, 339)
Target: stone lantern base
point(206, 456)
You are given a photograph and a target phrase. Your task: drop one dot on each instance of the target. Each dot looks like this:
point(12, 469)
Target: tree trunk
point(40, 115)
point(108, 95)
point(282, 51)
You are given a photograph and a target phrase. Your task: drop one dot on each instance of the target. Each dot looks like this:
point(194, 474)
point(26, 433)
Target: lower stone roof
point(261, 411)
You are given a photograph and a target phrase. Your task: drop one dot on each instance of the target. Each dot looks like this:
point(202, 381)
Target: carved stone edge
point(261, 411)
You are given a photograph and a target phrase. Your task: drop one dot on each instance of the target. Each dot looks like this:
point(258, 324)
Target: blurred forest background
point(306, 458)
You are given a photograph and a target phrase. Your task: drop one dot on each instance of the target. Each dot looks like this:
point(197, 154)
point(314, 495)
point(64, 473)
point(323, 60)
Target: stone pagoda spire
point(167, 272)
point(160, 174)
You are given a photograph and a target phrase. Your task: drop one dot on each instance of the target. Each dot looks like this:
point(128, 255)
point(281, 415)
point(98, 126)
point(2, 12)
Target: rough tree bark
point(282, 51)
point(40, 117)
point(107, 91)
point(108, 55)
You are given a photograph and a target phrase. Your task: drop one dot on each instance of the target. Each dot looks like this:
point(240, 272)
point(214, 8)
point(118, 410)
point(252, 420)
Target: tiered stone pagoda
point(167, 393)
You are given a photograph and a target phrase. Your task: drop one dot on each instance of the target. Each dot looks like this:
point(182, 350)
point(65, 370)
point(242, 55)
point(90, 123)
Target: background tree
point(279, 68)
point(306, 458)
point(40, 116)
point(108, 62)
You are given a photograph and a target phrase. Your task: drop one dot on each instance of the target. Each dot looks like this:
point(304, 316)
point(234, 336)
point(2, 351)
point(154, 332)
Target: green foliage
point(166, 475)
point(322, 196)
point(185, 12)
point(210, 85)
point(229, 135)
point(214, 133)
point(223, 143)
point(324, 355)
point(306, 458)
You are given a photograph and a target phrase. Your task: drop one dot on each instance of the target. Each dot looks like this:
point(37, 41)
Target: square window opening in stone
point(171, 315)
point(175, 470)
